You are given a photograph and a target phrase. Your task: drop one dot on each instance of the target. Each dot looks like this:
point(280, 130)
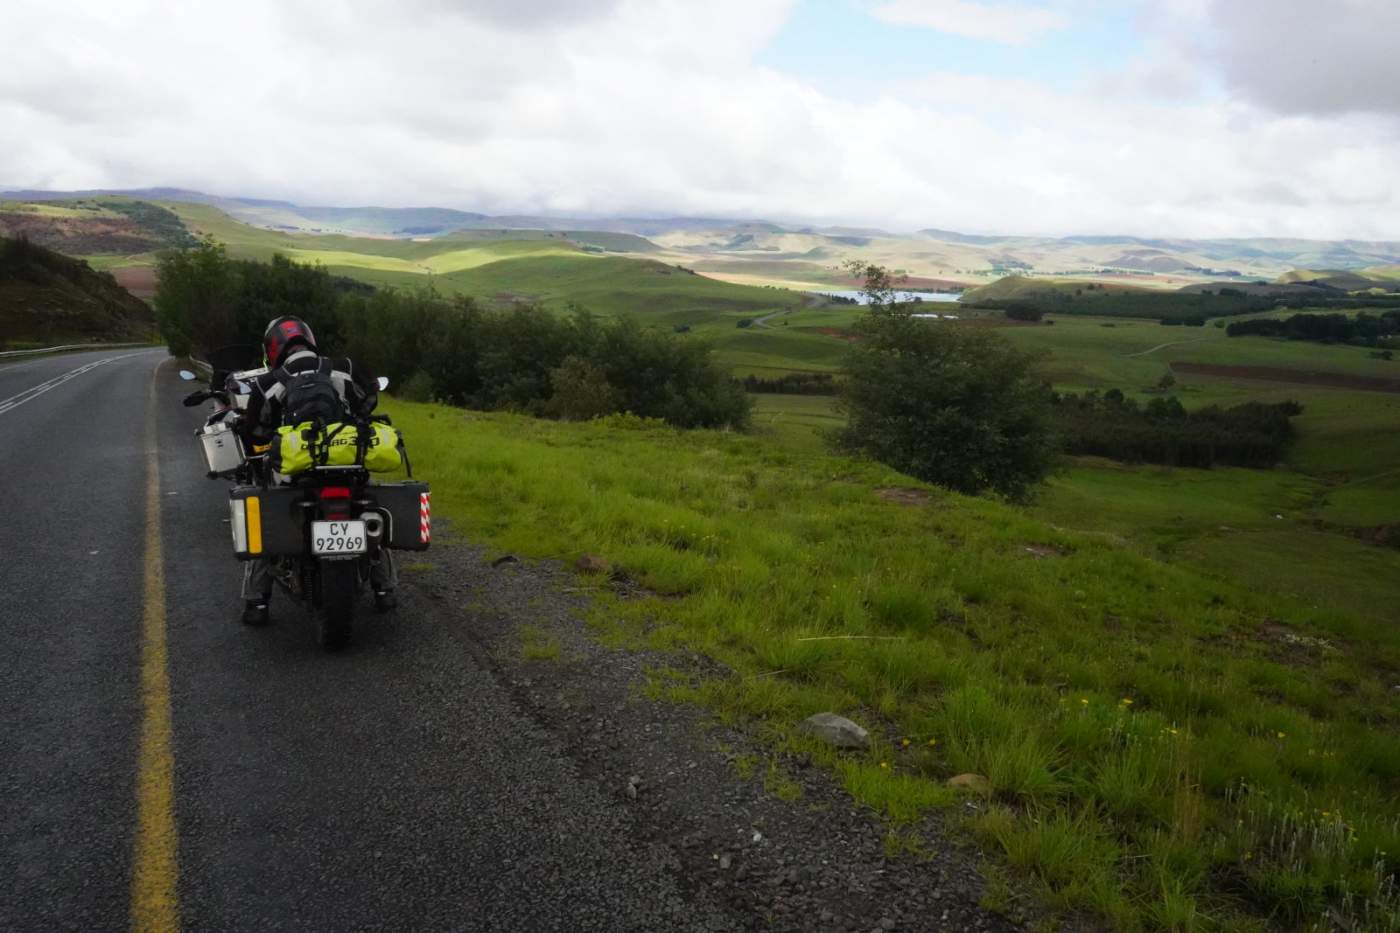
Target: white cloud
point(1300, 56)
point(1013, 24)
point(645, 107)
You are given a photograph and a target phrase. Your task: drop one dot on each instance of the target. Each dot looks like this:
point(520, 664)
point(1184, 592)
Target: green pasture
point(1081, 353)
point(1168, 747)
point(1252, 527)
point(797, 421)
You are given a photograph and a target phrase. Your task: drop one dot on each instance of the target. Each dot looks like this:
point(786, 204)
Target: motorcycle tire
point(339, 585)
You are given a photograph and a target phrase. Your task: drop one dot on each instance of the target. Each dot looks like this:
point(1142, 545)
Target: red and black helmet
point(283, 334)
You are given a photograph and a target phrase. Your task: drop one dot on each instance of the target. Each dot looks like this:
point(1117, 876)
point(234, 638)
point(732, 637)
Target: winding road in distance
point(164, 767)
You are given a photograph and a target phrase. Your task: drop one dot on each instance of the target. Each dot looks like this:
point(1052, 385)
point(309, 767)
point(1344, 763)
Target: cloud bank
point(658, 108)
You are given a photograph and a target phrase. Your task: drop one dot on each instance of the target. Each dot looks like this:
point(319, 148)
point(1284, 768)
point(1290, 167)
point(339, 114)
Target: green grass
point(536, 644)
point(1100, 353)
point(1162, 742)
point(800, 422)
point(1253, 528)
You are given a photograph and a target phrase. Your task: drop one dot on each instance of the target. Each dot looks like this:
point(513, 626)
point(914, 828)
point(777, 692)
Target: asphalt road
point(393, 786)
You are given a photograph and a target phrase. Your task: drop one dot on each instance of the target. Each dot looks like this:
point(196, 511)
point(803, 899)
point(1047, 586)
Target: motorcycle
point(322, 531)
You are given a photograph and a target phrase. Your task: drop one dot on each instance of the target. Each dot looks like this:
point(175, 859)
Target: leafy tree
point(581, 391)
point(194, 301)
point(955, 406)
point(523, 358)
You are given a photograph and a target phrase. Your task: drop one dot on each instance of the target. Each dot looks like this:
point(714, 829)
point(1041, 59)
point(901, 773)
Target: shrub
point(958, 407)
point(581, 391)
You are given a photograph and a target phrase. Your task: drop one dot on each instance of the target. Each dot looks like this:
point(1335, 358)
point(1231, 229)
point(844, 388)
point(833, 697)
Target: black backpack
point(310, 395)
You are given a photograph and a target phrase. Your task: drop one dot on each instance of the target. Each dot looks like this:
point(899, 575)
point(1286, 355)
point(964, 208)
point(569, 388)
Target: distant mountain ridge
point(718, 244)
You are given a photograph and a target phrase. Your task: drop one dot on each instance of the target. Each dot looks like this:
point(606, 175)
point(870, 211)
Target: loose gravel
point(817, 863)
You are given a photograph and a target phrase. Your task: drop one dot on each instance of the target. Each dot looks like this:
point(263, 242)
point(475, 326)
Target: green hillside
point(1352, 280)
point(1023, 288)
point(48, 298)
point(553, 268)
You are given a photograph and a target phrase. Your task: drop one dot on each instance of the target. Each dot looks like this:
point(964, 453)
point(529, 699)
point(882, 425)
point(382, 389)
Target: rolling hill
point(756, 251)
point(49, 298)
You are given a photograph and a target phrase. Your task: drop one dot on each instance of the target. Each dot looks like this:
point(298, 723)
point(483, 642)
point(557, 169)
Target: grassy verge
point(1165, 750)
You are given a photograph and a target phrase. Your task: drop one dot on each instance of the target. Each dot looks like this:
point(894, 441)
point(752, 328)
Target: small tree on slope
point(952, 405)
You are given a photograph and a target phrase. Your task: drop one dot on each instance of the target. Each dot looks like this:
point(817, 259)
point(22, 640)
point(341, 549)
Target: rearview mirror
point(383, 383)
point(188, 376)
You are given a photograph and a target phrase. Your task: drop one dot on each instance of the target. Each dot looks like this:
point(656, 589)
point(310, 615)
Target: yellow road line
point(154, 905)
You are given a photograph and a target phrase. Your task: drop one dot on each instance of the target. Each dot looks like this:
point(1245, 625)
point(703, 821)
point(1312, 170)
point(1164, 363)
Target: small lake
point(899, 296)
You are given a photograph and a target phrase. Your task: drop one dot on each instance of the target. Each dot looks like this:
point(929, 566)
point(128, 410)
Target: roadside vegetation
point(1164, 749)
point(522, 358)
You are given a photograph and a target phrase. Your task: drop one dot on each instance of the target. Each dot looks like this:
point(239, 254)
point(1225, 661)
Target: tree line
point(1163, 431)
point(1170, 307)
point(793, 384)
point(1365, 329)
point(453, 350)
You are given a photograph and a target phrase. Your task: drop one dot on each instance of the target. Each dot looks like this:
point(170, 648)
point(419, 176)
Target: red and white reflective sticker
point(425, 518)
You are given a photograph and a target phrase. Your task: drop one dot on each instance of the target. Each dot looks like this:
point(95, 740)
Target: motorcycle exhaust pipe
point(374, 525)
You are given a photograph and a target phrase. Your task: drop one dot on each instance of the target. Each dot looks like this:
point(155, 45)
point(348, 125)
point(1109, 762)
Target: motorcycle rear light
point(335, 492)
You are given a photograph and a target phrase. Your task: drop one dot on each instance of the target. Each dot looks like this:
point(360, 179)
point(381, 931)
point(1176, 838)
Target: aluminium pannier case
point(267, 522)
point(407, 508)
point(223, 449)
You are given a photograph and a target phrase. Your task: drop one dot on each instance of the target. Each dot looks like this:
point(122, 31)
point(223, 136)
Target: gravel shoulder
point(818, 862)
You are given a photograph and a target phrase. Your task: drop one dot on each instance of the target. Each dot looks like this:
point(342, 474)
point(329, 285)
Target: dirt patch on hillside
point(139, 280)
point(1295, 376)
point(903, 495)
point(78, 235)
point(836, 332)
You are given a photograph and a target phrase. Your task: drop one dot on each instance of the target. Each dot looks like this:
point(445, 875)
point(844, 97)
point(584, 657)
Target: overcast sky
point(1155, 117)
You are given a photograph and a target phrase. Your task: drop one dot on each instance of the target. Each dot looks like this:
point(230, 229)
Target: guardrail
point(11, 354)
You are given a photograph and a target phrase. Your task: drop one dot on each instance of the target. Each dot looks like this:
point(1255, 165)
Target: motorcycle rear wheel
point(340, 585)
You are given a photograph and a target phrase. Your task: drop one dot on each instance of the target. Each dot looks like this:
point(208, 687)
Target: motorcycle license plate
point(338, 537)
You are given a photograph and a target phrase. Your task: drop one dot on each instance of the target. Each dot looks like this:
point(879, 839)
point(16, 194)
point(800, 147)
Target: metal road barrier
point(11, 354)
